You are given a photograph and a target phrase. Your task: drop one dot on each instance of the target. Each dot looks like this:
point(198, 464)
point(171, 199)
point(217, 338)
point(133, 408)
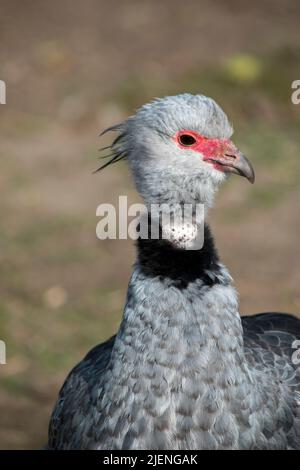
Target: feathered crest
point(117, 149)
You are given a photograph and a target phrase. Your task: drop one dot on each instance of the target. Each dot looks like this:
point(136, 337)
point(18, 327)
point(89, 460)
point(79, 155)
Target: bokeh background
point(73, 68)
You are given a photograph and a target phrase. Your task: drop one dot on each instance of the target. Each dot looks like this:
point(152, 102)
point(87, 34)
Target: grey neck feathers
point(181, 305)
point(178, 375)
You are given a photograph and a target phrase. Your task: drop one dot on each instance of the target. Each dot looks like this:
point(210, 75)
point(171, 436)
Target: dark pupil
point(186, 139)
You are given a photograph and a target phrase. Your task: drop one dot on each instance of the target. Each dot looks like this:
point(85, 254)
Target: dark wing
point(270, 339)
point(274, 332)
point(70, 418)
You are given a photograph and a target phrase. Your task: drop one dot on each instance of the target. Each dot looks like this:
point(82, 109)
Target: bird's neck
point(182, 310)
point(178, 367)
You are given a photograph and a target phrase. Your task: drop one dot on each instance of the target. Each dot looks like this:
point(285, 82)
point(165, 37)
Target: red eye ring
point(187, 140)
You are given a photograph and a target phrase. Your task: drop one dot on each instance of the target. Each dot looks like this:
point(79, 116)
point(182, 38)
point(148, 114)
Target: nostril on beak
point(230, 155)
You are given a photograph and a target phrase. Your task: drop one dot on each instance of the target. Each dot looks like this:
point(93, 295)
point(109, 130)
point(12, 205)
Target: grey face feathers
point(164, 170)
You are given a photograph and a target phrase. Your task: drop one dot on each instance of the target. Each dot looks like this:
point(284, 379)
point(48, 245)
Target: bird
point(185, 370)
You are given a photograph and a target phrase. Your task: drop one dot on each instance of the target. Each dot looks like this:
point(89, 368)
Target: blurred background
point(73, 68)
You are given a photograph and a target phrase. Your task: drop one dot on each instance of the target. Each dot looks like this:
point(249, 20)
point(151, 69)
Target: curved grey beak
point(242, 166)
point(233, 161)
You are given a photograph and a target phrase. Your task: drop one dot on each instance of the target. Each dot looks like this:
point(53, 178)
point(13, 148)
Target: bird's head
point(179, 149)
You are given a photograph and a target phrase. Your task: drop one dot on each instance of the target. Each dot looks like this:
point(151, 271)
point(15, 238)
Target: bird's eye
point(186, 140)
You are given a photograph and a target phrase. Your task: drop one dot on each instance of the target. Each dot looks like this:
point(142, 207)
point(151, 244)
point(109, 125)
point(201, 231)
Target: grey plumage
point(184, 370)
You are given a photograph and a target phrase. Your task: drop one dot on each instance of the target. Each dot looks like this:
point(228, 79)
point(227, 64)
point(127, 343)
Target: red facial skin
point(211, 149)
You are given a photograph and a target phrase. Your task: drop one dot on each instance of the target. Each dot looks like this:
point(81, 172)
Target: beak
point(233, 161)
point(241, 166)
